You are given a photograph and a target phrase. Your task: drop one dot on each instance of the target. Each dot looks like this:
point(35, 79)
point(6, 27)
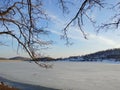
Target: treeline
point(111, 54)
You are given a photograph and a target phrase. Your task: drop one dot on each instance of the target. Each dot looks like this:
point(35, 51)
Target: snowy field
point(65, 75)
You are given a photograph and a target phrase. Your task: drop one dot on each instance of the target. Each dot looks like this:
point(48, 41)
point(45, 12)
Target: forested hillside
point(111, 54)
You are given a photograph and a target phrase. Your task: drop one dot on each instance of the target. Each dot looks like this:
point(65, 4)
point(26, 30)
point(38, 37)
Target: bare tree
point(84, 8)
point(82, 13)
point(22, 20)
point(114, 22)
point(19, 19)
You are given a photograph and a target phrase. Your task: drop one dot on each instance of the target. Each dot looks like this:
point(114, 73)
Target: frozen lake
point(65, 75)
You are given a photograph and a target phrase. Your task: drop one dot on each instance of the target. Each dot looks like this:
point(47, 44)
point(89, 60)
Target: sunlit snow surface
point(65, 75)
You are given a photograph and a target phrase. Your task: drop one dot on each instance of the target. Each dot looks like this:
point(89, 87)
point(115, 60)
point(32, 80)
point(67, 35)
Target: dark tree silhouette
point(18, 19)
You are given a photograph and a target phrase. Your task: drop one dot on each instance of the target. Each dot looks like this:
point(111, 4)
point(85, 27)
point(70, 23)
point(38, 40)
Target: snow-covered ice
point(65, 75)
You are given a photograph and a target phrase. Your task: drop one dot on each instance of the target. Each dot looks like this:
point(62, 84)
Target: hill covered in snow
point(19, 58)
point(111, 55)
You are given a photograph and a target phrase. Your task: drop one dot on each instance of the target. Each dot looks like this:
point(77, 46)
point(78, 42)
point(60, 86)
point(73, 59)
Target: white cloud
point(75, 33)
point(105, 40)
point(54, 18)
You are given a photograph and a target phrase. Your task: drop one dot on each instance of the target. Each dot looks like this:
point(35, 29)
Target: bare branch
point(23, 16)
point(84, 7)
point(3, 13)
point(115, 24)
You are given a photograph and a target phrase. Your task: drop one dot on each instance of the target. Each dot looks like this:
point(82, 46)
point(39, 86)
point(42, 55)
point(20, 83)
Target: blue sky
point(96, 42)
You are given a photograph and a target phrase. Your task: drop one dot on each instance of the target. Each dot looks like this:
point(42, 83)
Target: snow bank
point(65, 75)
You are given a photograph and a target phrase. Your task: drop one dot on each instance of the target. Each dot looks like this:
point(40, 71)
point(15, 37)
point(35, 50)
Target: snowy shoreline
point(23, 86)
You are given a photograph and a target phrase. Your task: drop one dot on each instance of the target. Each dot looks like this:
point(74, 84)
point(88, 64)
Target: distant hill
point(111, 54)
point(19, 58)
point(1, 58)
point(44, 59)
